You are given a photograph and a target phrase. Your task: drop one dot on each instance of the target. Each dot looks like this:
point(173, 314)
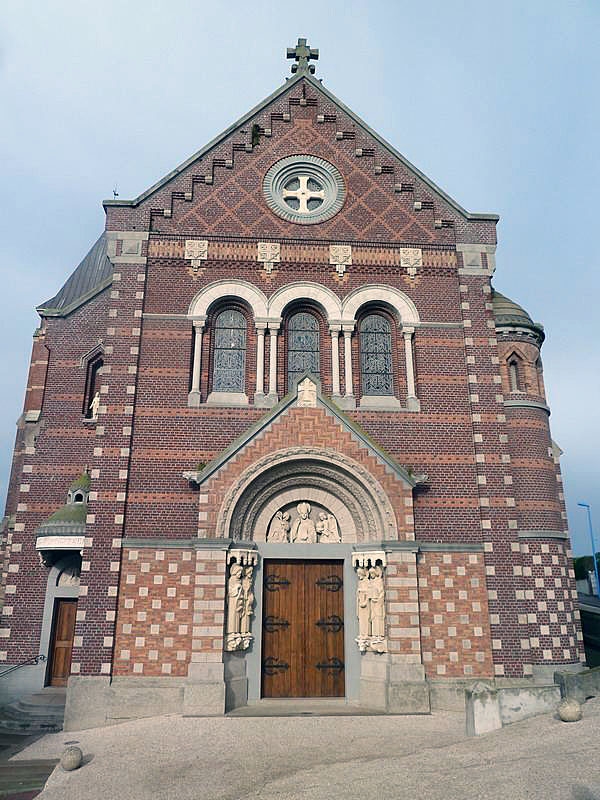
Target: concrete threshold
point(303, 707)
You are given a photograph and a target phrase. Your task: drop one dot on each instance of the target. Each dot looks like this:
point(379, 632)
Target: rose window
point(304, 189)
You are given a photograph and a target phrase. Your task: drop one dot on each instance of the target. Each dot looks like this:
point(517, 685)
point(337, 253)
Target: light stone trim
point(302, 290)
point(220, 289)
point(527, 404)
point(405, 308)
point(472, 259)
point(543, 534)
point(60, 543)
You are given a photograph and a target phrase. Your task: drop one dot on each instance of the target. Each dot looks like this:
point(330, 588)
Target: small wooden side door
point(65, 613)
point(303, 629)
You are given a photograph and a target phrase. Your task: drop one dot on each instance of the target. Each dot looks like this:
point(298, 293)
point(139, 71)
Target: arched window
point(376, 355)
point(92, 385)
point(514, 377)
point(302, 347)
point(229, 360)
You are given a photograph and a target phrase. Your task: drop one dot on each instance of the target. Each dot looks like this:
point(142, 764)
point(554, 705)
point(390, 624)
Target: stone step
point(39, 712)
point(16, 709)
point(23, 776)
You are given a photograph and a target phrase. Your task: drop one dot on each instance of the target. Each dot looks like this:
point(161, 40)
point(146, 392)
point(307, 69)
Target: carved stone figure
point(377, 594)
point(328, 530)
point(279, 529)
point(235, 601)
point(370, 608)
point(248, 601)
point(95, 405)
point(240, 599)
point(363, 608)
point(304, 529)
point(307, 394)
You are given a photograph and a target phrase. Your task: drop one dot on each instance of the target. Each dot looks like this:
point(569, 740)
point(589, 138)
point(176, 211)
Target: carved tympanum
point(304, 529)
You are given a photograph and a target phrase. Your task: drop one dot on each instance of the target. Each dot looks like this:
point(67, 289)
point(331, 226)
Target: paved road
point(326, 758)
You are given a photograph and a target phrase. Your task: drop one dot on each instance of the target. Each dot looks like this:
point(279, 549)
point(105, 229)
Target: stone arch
point(220, 289)
point(326, 477)
point(387, 295)
point(305, 291)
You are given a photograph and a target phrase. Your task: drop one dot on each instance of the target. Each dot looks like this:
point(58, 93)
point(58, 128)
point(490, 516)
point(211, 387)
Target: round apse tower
point(547, 592)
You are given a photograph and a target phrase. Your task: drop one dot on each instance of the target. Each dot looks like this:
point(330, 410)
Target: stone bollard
point(569, 710)
point(71, 759)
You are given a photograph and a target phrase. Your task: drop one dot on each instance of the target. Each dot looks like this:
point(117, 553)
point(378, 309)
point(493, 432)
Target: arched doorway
point(305, 511)
point(60, 614)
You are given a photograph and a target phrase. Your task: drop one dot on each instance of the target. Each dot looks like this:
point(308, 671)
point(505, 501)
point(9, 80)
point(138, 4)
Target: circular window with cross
point(304, 189)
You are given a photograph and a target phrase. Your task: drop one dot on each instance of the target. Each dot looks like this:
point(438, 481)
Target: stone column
point(335, 358)
point(272, 396)
point(348, 399)
point(411, 396)
point(194, 396)
point(259, 394)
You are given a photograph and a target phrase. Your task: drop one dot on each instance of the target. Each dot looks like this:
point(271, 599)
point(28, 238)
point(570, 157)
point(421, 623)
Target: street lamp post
point(589, 516)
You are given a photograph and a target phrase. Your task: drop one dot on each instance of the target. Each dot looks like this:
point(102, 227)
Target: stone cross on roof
point(303, 54)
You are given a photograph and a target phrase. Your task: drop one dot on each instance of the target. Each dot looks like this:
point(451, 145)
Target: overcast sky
point(497, 102)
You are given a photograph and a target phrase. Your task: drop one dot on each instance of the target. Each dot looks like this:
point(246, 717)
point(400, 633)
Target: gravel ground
point(326, 758)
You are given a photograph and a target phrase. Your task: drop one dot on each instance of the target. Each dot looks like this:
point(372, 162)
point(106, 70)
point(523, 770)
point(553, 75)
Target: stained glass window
point(229, 370)
point(303, 347)
point(376, 355)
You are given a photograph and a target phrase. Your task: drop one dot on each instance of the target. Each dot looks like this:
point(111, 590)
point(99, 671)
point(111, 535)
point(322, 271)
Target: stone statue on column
point(370, 602)
point(240, 600)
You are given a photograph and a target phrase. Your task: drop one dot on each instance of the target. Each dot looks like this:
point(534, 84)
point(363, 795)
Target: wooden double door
point(303, 629)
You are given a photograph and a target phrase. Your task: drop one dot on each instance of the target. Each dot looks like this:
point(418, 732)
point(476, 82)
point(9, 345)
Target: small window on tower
point(92, 388)
point(514, 377)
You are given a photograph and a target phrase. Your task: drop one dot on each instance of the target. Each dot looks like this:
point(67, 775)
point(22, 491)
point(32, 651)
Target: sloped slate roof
point(92, 275)
point(507, 312)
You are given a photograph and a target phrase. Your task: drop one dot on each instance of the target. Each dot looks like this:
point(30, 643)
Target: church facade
point(282, 439)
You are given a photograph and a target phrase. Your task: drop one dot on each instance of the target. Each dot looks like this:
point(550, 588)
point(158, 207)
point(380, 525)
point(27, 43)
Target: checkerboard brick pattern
point(455, 629)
